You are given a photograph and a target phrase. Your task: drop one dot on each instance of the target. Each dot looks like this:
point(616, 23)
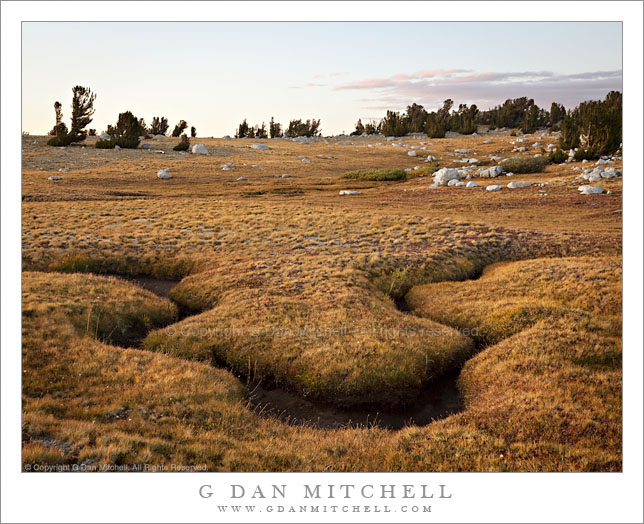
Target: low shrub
point(524, 164)
point(427, 170)
point(108, 143)
point(183, 145)
point(557, 156)
point(125, 133)
point(586, 154)
point(376, 174)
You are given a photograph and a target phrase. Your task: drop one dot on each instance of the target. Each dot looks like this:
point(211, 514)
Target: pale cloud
point(486, 89)
point(309, 84)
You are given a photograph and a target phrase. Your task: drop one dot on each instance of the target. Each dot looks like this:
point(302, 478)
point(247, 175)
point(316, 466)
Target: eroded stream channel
point(437, 400)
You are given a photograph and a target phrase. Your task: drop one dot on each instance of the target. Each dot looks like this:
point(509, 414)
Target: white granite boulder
point(163, 174)
point(491, 172)
point(445, 174)
point(519, 183)
point(199, 149)
point(590, 190)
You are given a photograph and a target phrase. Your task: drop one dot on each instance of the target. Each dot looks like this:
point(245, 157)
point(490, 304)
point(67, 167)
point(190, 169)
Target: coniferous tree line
point(125, 133)
point(595, 126)
point(246, 131)
point(295, 128)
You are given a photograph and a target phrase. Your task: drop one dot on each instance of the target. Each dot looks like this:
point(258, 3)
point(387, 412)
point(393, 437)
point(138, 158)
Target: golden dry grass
point(306, 282)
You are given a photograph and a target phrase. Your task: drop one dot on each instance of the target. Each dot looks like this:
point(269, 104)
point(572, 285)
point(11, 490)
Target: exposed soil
point(438, 400)
point(155, 285)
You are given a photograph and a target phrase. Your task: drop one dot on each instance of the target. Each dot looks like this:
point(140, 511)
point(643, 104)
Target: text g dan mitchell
point(328, 491)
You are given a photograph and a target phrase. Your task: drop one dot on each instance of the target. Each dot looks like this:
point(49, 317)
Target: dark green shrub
point(524, 164)
point(61, 137)
point(193, 132)
point(557, 156)
point(92, 132)
point(376, 174)
point(183, 145)
point(427, 170)
point(105, 143)
point(586, 154)
point(125, 134)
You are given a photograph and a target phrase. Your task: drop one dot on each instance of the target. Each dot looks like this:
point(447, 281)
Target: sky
point(215, 74)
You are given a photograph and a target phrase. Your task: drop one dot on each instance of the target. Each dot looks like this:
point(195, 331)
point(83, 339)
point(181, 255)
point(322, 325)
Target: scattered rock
point(286, 176)
point(241, 178)
point(471, 184)
point(163, 174)
point(261, 147)
point(412, 153)
point(54, 177)
point(199, 149)
point(493, 187)
point(590, 190)
point(519, 183)
point(491, 172)
point(444, 175)
point(348, 192)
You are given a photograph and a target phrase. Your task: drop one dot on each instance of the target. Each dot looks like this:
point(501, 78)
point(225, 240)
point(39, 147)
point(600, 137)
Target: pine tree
point(359, 128)
point(82, 111)
point(275, 129)
point(159, 126)
point(179, 128)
